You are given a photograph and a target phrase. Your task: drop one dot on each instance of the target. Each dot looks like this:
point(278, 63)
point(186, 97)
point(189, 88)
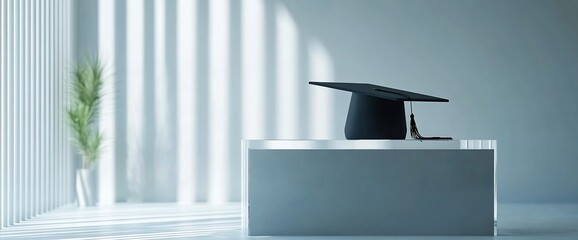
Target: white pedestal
point(369, 187)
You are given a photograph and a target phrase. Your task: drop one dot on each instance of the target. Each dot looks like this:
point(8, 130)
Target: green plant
point(86, 92)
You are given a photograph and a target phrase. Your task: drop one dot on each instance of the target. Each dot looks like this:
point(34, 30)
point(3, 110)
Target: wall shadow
point(202, 76)
point(155, 170)
point(121, 153)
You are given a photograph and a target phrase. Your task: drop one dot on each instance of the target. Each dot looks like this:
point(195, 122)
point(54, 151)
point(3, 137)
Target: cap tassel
point(413, 129)
point(415, 132)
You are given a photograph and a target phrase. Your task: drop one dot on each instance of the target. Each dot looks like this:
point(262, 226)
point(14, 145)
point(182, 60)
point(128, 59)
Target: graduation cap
point(377, 112)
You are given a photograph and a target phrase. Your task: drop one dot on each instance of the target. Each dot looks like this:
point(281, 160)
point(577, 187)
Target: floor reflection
point(201, 221)
point(130, 221)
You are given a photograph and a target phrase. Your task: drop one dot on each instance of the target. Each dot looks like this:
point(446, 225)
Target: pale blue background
point(509, 68)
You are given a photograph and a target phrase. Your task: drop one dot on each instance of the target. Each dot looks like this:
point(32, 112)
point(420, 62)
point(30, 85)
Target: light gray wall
point(85, 27)
point(509, 68)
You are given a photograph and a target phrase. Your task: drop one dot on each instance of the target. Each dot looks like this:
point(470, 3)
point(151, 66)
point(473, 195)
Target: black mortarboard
point(377, 112)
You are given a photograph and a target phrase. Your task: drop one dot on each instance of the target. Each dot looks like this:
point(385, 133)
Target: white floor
point(170, 221)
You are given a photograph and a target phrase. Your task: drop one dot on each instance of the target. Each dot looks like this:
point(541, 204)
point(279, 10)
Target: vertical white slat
point(35, 108)
point(22, 111)
point(53, 88)
point(56, 92)
point(30, 100)
point(48, 60)
point(46, 110)
point(21, 108)
point(50, 105)
point(106, 171)
point(3, 133)
point(31, 135)
point(53, 108)
point(62, 95)
point(58, 82)
point(24, 97)
point(253, 65)
point(54, 95)
point(64, 100)
point(10, 114)
point(14, 156)
point(44, 59)
point(287, 44)
point(63, 67)
point(56, 102)
point(17, 110)
point(32, 51)
point(219, 81)
point(186, 102)
point(14, 90)
point(29, 122)
point(69, 43)
point(59, 109)
point(40, 101)
point(46, 177)
point(46, 72)
point(6, 123)
point(320, 114)
point(18, 115)
point(42, 107)
point(33, 85)
point(26, 115)
point(15, 115)
point(60, 105)
point(20, 127)
point(3, 116)
point(135, 97)
point(25, 112)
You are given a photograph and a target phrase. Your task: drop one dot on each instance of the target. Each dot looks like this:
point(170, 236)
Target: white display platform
point(369, 187)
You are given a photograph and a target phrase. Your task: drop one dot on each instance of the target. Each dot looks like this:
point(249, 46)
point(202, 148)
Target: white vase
point(85, 187)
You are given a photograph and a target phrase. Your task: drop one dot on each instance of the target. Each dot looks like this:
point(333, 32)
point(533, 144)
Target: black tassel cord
point(413, 126)
point(415, 132)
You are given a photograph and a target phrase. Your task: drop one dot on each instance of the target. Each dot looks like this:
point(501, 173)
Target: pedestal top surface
point(369, 144)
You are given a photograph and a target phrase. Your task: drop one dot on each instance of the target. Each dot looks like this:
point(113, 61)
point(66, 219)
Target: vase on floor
point(85, 187)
